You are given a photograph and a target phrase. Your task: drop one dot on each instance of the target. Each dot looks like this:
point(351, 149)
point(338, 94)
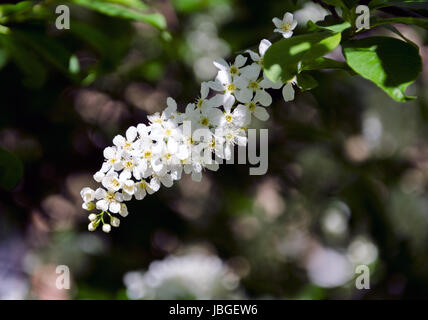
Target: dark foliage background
point(346, 185)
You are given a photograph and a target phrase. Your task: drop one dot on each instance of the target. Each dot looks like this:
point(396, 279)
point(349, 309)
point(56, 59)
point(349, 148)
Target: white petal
point(119, 141)
point(228, 103)
point(261, 113)
point(100, 193)
point(240, 115)
point(244, 95)
point(293, 24)
point(204, 90)
point(109, 152)
point(114, 207)
point(240, 61)
point(172, 145)
point(253, 55)
point(277, 22)
point(167, 181)
point(251, 72)
point(155, 184)
point(216, 85)
point(221, 64)
point(263, 97)
point(171, 103)
point(224, 77)
point(288, 92)
point(102, 205)
point(263, 46)
point(131, 134)
point(214, 116)
point(288, 18)
point(287, 34)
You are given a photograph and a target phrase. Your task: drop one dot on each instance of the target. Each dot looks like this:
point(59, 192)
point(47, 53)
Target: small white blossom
point(286, 25)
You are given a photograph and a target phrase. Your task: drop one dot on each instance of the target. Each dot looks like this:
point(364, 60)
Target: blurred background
point(346, 185)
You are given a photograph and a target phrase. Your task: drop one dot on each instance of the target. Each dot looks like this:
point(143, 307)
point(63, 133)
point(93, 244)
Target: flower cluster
point(192, 141)
point(194, 275)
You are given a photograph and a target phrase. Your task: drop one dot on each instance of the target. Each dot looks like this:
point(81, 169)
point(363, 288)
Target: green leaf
point(325, 63)
point(306, 82)
point(334, 28)
point(282, 58)
point(33, 70)
point(47, 47)
point(118, 9)
point(412, 4)
point(390, 63)
point(11, 170)
point(420, 22)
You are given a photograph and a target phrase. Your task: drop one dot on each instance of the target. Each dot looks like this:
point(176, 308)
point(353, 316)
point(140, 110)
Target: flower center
point(205, 121)
point(168, 132)
point(252, 106)
point(253, 85)
point(231, 87)
point(129, 164)
point(127, 145)
point(199, 103)
point(147, 154)
point(286, 27)
point(228, 118)
point(233, 70)
point(115, 183)
point(110, 196)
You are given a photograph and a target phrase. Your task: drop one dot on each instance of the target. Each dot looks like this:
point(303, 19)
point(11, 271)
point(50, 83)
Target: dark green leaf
point(325, 63)
point(421, 22)
point(29, 64)
point(390, 63)
point(305, 81)
point(116, 9)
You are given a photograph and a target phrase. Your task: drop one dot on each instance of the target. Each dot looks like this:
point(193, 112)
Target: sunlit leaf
point(390, 63)
point(282, 58)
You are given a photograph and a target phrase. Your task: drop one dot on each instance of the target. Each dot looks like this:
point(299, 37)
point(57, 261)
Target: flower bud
point(92, 226)
point(106, 228)
point(92, 217)
point(115, 222)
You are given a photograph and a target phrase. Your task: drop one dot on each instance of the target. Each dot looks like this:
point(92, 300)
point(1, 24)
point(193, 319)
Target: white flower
point(128, 187)
point(253, 108)
point(195, 275)
point(141, 189)
point(87, 194)
point(286, 25)
point(232, 136)
point(237, 117)
point(287, 87)
point(256, 85)
point(111, 182)
point(113, 159)
point(232, 69)
point(123, 143)
point(108, 200)
point(229, 85)
point(263, 46)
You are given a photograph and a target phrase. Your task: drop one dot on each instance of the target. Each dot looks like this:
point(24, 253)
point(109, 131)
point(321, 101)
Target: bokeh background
point(346, 185)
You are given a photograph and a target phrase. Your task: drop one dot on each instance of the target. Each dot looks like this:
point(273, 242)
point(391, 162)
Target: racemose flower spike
point(173, 142)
